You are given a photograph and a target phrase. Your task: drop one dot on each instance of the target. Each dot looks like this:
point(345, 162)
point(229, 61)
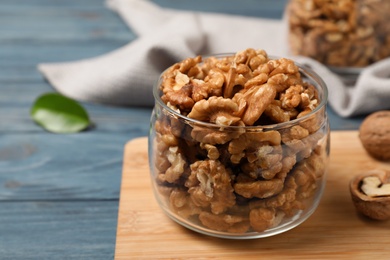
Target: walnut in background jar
point(340, 33)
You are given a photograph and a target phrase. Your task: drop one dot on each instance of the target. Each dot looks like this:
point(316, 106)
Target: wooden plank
point(43, 31)
point(335, 230)
point(57, 230)
point(340, 123)
point(130, 121)
point(49, 166)
point(16, 53)
point(264, 8)
point(267, 8)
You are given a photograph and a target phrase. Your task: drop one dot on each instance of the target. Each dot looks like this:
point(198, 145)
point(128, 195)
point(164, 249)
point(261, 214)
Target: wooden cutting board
point(335, 230)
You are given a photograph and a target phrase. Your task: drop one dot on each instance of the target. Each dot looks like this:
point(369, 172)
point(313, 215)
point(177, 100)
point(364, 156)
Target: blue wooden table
point(59, 193)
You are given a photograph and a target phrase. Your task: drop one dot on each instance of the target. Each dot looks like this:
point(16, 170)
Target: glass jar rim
point(308, 72)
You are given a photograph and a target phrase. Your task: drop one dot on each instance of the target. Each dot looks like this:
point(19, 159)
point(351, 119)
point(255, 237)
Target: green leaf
point(59, 114)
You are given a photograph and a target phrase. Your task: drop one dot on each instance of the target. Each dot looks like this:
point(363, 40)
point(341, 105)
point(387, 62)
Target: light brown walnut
point(216, 78)
point(374, 134)
point(258, 60)
point(303, 148)
point(251, 188)
point(256, 99)
point(189, 64)
point(269, 160)
point(244, 57)
point(181, 203)
point(250, 142)
point(345, 33)
point(283, 81)
point(307, 173)
point(215, 136)
point(237, 78)
point(292, 97)
point(230, 82)
point(283, 65)
point(286, 201)
point(200, 90)
point(161, 162)
point(224, 222)
point(212, 151)
point(249, 78)
point(288, 162)
point(209, 185)
point(309, 97)
point(370, 192)
point(312, 123)
point(180, 98)
point(176, 167)
point(164, 140)
point(257, 80)
point(262, 218)
point(276, 113)
point(216, 110)
point(295, 132)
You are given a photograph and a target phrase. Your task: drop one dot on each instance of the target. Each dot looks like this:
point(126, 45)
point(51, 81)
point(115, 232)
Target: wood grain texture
point(335, 230)
point(263, 8)
point(58, 193)
point(57, 230)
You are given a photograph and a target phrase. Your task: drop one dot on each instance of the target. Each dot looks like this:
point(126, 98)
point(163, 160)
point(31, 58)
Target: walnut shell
point(374, 133)
point(375, 207)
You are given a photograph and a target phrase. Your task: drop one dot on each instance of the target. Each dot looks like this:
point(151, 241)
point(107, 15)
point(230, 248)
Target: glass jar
point(344, 34)
point(238, 181)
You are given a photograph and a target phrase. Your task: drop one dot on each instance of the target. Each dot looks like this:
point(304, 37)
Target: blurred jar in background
point(340, 33)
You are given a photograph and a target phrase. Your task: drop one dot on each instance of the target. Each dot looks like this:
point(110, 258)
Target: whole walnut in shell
point(374, 134)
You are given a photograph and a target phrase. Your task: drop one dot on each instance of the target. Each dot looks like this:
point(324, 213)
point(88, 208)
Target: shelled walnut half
point(370, 194)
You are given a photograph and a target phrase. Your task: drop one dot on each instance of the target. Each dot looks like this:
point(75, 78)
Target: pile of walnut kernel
point(234, 179)
point(340, 33)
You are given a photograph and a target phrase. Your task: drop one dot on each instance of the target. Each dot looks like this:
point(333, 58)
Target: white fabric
point(126, 76)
